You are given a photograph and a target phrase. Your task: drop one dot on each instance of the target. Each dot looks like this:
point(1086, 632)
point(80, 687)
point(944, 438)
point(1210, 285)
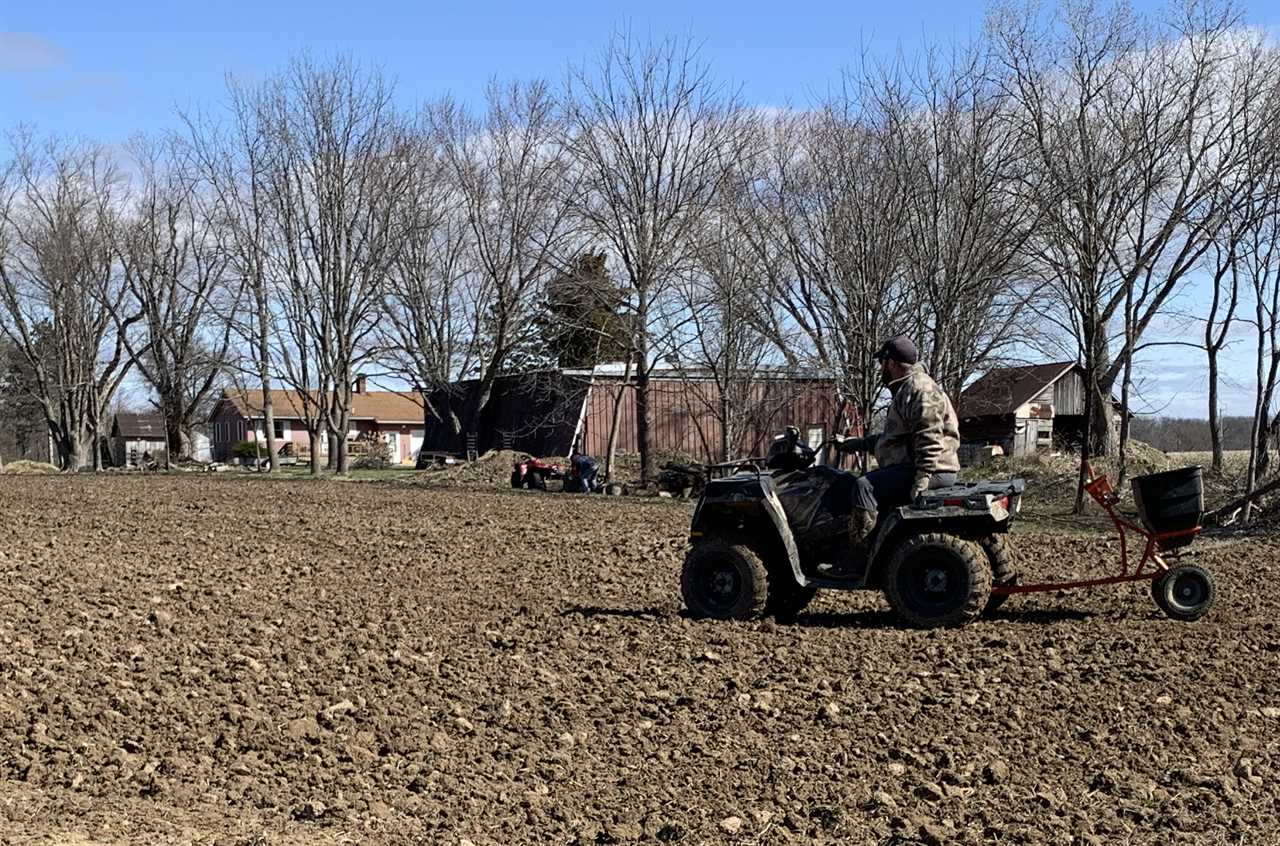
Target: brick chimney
point(361, 384)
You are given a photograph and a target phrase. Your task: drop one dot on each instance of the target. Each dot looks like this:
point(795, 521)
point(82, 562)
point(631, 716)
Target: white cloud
point(23, 52)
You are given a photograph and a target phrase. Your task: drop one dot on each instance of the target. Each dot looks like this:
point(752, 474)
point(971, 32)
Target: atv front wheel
point(1184, 592)
point(724, 581)
point(1004, 568)
point(517, 479)
point(938, 580)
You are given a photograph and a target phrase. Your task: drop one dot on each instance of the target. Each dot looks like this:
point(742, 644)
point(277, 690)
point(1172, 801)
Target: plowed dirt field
point(214, 660)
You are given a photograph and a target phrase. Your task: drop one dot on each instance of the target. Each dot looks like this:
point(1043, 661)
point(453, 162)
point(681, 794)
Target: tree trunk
point(95, 444)
point(331, 460)
point(1122, 457)
point(174, 443)
point(642, 406)
point(1103, 429)
point(1086, 439)
point(420, 462)
point(314, 440)
point(475, 412)
point(725, 423)
point(1215, 416)
point(75, 453)
point(343, 464)
point(611, 451)
point(269, 424)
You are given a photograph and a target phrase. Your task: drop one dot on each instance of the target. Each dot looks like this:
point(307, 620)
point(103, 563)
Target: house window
point(279, 426)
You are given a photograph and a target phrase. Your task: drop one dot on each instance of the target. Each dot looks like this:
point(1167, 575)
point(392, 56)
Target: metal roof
point(1003, 390)
point(147, 427)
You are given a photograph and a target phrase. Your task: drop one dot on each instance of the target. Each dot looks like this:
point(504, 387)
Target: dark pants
point(585, 470)
point(890, 487)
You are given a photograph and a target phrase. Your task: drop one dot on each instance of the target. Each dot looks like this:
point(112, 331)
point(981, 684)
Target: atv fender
point(885, 530)
point(773, 507)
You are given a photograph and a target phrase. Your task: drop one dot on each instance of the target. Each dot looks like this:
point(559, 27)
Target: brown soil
point(241, 661)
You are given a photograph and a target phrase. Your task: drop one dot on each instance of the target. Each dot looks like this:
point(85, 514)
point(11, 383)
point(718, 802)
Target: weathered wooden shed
point(135, 437)
point(1024, 409)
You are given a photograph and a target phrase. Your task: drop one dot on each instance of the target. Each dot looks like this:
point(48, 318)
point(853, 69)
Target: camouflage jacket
point(921, 428)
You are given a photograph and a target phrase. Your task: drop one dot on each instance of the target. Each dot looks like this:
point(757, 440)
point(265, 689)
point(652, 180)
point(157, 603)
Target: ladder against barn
point(472, 453)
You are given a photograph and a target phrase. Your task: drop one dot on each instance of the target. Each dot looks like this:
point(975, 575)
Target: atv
point(763, 541)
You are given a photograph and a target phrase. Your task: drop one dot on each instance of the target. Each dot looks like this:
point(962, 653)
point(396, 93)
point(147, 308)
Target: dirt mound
point(363, 663)
point(491, 471)
point(30, 468)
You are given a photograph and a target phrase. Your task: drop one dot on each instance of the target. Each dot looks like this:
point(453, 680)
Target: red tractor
point(532, 473)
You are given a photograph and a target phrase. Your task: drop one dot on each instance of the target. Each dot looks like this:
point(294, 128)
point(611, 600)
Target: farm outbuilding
point(1024, 409)
point(137, 437)
point(552, 412)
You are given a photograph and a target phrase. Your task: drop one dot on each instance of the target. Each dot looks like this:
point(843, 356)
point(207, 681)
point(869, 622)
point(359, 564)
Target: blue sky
point(106, 70)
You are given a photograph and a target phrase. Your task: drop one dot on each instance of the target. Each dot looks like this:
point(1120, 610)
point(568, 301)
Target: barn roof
point(146, 427)
point(1003, 390)
point(383, 406)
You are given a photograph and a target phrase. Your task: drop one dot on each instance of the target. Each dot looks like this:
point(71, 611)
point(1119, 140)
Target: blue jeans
point(890, 487)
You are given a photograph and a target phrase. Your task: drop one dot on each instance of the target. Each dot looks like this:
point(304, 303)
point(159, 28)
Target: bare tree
point(966, 228)
point(720, 330)
point(60, 278)
point(830, 226)
point(424, 331)
point(515, 188)
point(1250, 197)
point(339, 165)
point(1258, 265)
point(174, 269)
point(233, 160)
point(1126, 146)
point(651, 133)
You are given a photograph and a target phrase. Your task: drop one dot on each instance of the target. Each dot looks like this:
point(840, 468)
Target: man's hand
point(919, 486)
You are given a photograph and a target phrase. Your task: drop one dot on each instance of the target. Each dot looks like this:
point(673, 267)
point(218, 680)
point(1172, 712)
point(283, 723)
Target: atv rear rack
point(1160, 550)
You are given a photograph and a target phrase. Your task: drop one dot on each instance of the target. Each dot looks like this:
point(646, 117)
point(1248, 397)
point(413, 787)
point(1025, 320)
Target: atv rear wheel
point(1004, 568)
point(938, 580)
point(724, 581)
point(535, 481)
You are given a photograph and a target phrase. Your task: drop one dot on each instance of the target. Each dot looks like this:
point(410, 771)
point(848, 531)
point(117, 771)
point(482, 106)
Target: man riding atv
point(917, 451)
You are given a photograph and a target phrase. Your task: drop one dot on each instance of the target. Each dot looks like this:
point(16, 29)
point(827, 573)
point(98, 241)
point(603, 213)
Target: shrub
point(249, 449)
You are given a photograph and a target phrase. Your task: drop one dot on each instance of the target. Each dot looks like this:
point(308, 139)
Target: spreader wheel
point(724, 581)
point(1184, 592)
point(938, 580)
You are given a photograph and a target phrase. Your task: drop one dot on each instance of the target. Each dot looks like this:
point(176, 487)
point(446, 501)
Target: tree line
point(1055, 185)
point(1183, 434)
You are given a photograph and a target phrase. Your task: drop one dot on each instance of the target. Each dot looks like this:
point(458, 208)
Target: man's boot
point(862, 524)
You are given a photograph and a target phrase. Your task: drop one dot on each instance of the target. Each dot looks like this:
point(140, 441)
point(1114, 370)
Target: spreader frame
point(1155, 560)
